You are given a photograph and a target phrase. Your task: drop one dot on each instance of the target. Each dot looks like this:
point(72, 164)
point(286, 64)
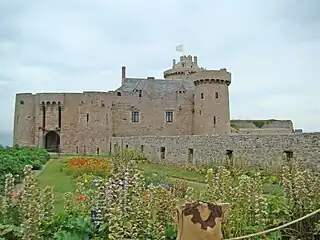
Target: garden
point(126, 197)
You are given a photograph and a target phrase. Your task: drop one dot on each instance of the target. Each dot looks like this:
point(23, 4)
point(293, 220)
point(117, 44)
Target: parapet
point(203, 76)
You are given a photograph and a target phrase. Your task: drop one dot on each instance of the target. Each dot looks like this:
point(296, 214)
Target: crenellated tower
point(186, 66)
point(211, 102)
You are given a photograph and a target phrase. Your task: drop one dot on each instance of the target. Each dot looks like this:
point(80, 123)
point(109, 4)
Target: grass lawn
point(177, 173)
point(61, 183)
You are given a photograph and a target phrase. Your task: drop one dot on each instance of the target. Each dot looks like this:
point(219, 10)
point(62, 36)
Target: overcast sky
point(272, 48)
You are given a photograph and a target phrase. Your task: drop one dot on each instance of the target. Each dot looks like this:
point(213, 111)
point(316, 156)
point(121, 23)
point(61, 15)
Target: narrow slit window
point(162, 153)
point(98, 151)
point(202, 97)
point(87, 117)
point(59, 116)
point(214, 120)
point(106, 118)
point(217, 95)
point(141, 148)
point(43, 116)
point(77, 150)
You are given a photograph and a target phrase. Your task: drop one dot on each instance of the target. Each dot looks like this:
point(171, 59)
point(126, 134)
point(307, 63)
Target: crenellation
point(189, 108)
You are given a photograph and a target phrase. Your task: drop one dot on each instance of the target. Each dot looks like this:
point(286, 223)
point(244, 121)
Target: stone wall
point(252, 150)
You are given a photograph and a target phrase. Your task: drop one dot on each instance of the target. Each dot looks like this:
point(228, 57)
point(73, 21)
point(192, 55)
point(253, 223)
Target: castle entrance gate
point(52, 141)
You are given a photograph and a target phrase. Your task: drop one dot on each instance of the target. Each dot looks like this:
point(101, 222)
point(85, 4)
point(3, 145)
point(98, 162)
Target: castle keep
point(171, 118)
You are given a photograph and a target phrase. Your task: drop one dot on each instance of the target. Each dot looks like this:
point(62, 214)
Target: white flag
point(179, 48)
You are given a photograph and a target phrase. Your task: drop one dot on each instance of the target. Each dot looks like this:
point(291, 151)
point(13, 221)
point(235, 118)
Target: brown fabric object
point(201, 220)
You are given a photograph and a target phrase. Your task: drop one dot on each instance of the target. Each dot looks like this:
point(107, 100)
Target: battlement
point(186, 66)
point(221, 76)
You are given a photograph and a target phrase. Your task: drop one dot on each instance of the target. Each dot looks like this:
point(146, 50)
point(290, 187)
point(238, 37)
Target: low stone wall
point(250, 150)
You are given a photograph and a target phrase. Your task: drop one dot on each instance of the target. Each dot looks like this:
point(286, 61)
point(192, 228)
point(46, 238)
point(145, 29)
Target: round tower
point(211, 102)
point(186, 66)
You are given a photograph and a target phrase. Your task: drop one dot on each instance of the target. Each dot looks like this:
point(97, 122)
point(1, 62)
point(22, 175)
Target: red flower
point(82, 198)
point(14, 195)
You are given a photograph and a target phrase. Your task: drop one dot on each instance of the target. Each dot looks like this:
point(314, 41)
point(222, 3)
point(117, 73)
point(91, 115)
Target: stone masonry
point(244, 150)
point(190, 101)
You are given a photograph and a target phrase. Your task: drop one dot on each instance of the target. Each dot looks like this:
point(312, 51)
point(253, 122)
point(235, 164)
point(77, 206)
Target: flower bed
point(123, 206)
point(87, 166)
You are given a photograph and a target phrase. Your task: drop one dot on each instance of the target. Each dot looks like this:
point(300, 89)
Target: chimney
point(195, 60)
point(173, 62)
point(123, 74)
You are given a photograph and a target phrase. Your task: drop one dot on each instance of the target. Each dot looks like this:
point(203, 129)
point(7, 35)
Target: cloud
point(271, 47)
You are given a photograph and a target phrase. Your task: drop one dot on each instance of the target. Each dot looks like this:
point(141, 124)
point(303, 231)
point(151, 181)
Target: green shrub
point(14, 159)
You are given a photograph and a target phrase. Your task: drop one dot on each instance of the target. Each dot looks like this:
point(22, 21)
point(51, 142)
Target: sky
point(271, 47)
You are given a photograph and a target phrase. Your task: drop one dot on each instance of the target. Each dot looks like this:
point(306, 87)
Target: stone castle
point(171, 118)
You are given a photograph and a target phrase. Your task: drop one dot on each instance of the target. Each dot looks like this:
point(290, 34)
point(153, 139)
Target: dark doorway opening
point(52, 142)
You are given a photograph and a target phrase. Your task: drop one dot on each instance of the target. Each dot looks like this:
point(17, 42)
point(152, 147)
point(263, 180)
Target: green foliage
point(127, 207)
point(155, 178)
point(14, 159)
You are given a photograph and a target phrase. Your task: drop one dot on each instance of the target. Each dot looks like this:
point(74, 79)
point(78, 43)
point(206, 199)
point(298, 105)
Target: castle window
point(202, 96)
point(162, 153)
point(190, 155)
point(87, 117)
point(21, 102)
point(140, 93)
point(106, 118)
point(127, 146)
point(200, 112)
point(214, 120)
point(169, 116)
point(59, 116)
point(118, 93)
point(217, 95)
point(98, 151)
point(135, 116)
point(288, 155)
point(141, 148)
point(229, 154)
point(43, 117)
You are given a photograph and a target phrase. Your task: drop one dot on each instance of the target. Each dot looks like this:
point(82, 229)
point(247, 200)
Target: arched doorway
point(52, 141)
